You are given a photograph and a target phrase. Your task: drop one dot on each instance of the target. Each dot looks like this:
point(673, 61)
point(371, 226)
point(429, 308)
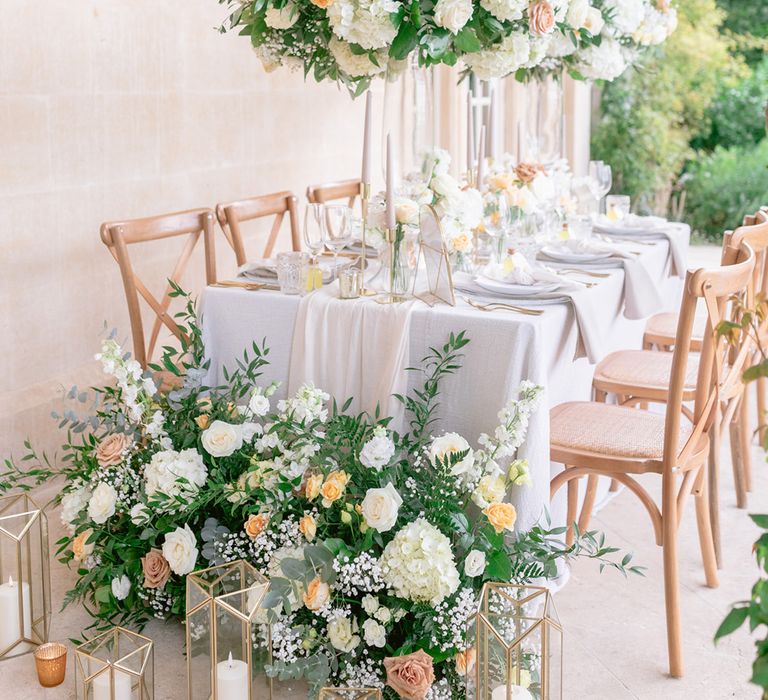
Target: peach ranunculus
point(526, 172)
point(312, 488)
point(465, 661)
point(333, 488)
point(541, 17)
point(501, 516)
point(410, 676)
point(156, 569)
point(110, 450)
point(80, 548)
point(308, 527)
point(317, 595)
point(255, 525)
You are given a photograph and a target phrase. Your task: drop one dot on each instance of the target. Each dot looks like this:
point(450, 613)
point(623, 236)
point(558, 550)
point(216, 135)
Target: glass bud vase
point(543, 121)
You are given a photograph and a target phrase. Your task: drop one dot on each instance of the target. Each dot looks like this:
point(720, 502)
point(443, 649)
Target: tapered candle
point(366, 174)
point(10, 629)
point(390, 186)
point(519, 142)
point(492, 127)
point(470, 133)
point(481, 160)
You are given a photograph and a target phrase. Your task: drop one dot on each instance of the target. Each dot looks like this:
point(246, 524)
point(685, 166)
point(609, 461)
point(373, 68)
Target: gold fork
point(495, 306)
point(250, 286)
point(588, 273)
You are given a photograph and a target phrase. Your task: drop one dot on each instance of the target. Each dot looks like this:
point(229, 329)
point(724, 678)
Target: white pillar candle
point(232, 679)
point(481, 161)
point(102, 689)
point(518, 693)
point(366, 173)
point(9, 613)
point(390, 186)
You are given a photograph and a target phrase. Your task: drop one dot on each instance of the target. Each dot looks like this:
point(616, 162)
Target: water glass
point(292, 271)
point(314, 229)
point(338, 231)
point(350, 283)
point(617, 206)
point(579, 226)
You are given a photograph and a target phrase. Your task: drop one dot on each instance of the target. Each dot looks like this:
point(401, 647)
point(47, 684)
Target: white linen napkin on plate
point(355, 349)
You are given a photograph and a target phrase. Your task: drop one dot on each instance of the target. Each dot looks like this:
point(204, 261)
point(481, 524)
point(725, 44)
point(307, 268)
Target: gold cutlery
point(250, 286)
point(589, 273)
point(496, 306)
point(588, 285)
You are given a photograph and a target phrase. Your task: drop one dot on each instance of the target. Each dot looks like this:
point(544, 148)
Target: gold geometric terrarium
point(228, 637)
point(25, 577)
point(515, 644)
point(349, 694)
point(116, 665)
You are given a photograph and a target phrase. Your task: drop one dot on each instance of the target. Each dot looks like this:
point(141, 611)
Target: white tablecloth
point(505, 348)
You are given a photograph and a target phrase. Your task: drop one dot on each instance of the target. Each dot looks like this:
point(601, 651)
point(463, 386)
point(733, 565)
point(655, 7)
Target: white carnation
point(374, 634)
point(72, 504)
point(281, 18)
point(505, 10)
point(364, 22)
point(221, 439)
point(377, 452)
point(180, 550)
point(504, 58)
point(101, 505)
point(121, 587)
point(418, 564)
point(453, 14)
point(356, 65)
point(166, 469)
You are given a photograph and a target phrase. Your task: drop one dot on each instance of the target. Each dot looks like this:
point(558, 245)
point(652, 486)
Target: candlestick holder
point(365, 196)
point(228, 634)
point(514, 645)
point(349, 694)
point(116, 665)
point(25, 576)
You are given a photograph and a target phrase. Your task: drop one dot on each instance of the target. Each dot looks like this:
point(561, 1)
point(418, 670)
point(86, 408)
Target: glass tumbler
point(292, 271)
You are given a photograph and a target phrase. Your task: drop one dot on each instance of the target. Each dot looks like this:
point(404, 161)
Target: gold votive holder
point(51, 662)
point(350, 283)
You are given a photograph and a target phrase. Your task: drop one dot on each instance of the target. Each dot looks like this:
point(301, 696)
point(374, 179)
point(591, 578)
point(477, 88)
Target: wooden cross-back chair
point(333, 191)
point(277, 204)
point(600, 439)
point(118, 236)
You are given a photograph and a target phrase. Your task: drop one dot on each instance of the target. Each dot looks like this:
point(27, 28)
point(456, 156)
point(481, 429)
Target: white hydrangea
point(539, 50)
point(512, 53)
point(356, 65)
point(505, 10)
point(418, 564)
point(364, 22)
point(604, 62)
point(72, 504)
point(656, 26)
point(379, 450)
point(163, 473)
point(626, 14)
point(307, 405)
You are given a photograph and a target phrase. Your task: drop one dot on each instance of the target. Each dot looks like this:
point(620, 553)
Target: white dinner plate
point(516, 290)
point(570, 256)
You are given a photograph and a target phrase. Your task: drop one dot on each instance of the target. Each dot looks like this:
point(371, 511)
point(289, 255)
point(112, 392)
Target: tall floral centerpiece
point(376, 543)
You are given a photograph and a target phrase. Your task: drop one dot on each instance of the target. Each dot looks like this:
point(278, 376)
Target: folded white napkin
point(265, 269)
point(591, 245)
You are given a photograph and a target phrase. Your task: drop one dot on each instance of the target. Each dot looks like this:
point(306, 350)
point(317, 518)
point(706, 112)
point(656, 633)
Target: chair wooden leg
point(761, 423)
point(746, 443)
point(647, 344)
point(713, 478)
point(671, 579)
point(589, 502)
point(704, 526)
point(573, 504)
point(738, 468)
point(614, 486)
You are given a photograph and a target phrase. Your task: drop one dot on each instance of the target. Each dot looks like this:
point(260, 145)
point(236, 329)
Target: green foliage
point(747, 24)
point(724, 186)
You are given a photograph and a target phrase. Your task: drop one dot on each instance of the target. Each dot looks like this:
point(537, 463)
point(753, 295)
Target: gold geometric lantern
point(25, 576)
point(116, 665)
point(228, 637)
point(516, 642)
point(349, 694)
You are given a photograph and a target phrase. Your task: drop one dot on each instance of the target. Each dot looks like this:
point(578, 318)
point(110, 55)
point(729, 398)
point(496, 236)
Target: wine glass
point(314, 229)
point(338, 232)
point(496, 220)
point(601, 178)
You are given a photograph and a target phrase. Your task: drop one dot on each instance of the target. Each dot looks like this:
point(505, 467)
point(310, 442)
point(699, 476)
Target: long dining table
point(505, 348)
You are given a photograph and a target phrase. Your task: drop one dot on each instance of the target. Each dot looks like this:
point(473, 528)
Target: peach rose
point(333, 488)
point(308, 527)
point(541, 17)
point(203, 421)
point(80, 548)
point(110, 450)
point(317, 594)
point(465, 661)
point(410, 676)
point(255, 525)
point(156, 569)
point(501, 515)
point(312, 489)
point(323, 4)
point(526, 172)
point(501, 182)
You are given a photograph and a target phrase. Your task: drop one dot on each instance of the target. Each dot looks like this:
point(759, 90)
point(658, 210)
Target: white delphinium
point(379, 450)
point(155, 429)
point(504, 58)
point(72, 504)
point(367, 23)
point(308, 404)
point(418, 564)
point(175, 474)
point(135, 389)
point(505, 10)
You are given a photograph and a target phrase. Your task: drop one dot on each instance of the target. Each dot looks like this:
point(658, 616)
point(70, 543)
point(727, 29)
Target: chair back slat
point(232, 214)
point(332, 191)
point(119, 235)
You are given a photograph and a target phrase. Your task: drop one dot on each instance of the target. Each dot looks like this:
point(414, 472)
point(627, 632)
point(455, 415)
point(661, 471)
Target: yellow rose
point(501, 516)
point(202, 421)
point(465, 661)
point(314, 483)
point(331, 491)
point(80, 549)
point(317, 594)
point(308, 527)
point(341, 477)
point(255, 525)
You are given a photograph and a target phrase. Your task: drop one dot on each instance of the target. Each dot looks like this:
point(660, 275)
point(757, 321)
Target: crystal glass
point(579, 226)
point(338, 230)
point(314, 229)
point(602, 179)
point(292, 271)
point(496, 221)
point(617, 206)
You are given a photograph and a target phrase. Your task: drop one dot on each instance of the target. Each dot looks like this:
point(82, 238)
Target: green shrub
point(747, 22)
point(725, 185)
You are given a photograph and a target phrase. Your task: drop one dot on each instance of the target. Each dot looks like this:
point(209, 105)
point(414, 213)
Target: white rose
point(180, 550)
point(594, 21)
point(491, 489)
point(577, 13)
point(442, 448)
point(474, 564)
point(377, 452)
point(282, 18)
point(140, 514)
point(380, 508)
point(259, 404)
point(406, 211)
point(222, 439)
point(342, 634)
point(375, 635)
point(383, 615)
point(121, 587)
point(370, 603)
point(248, 430)
point(102, 503)
point(444, 185)
point(72, 504)
point(453, 14)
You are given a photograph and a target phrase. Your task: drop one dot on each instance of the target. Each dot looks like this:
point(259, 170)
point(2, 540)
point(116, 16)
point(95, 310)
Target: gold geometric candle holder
point(116, 665)
point(517, 643)
point(25, 576)
point(228, 636)
point(349, 694)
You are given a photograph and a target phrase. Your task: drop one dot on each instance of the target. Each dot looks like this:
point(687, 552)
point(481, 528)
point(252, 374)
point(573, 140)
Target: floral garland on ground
point(376, 544)
point(352, 41)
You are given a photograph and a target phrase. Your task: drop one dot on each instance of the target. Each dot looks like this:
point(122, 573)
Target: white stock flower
point(101, 505)
point(377, 452)
point(281, 18)
point(307, 405)
point(341, 634)
point(450, 444)
point(374, 634)
point(505, 10)
point(501, 59)
point(417, 564)
point(180, 550)
point(72, 504)
point(364, 22)
point(453, 14)
point(140, 514)
point(165, 470)
point(221, 439)
point(380, 507)
point(121, 587)
point(356, 65)
point(474, 564)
